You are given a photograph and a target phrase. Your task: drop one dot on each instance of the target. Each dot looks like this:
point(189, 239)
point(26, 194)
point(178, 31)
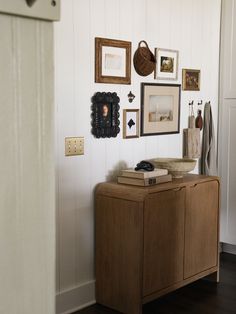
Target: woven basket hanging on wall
point(144, 60)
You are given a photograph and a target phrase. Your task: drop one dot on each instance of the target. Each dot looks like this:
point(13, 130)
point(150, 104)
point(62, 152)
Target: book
point(141, 174)
point(145, 182)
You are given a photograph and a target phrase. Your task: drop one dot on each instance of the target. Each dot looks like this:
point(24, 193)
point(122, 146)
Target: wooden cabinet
point(153, 240)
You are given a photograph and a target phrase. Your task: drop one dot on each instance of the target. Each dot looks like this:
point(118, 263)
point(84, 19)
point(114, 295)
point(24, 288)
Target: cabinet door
point(201, 228)
point(163, 240)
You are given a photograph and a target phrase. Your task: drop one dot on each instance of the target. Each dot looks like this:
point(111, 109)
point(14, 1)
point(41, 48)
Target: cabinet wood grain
point(201, 228)
point(119, 244)
point(163, 240)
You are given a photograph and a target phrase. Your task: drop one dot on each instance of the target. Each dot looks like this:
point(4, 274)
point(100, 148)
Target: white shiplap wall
point(190, 26)
point(27, 190)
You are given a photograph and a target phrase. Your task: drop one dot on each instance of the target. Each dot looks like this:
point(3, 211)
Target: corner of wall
point(76, 298)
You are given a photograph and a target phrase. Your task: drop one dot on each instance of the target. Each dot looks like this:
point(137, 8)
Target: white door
point(27, 189)
point(227, 123)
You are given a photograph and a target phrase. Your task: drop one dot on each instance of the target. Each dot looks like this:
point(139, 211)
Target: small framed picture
point(167, 64)
point(160, 109)
point(130, 123)
point(112, 61)
point(191, 79)
point(105, 115)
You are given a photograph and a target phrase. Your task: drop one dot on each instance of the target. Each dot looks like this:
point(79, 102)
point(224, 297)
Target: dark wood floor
point(201, 297)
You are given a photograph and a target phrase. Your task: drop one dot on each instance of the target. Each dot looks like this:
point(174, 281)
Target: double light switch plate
point(39, 9)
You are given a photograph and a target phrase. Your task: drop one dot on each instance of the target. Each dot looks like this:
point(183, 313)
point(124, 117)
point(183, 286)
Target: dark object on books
point(144, 165)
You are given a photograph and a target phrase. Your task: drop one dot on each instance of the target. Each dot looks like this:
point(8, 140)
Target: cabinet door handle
point(194, 185)
point(178, 189)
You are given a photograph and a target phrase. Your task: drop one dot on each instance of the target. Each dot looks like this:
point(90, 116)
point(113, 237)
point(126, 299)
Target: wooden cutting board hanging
point(191, 143)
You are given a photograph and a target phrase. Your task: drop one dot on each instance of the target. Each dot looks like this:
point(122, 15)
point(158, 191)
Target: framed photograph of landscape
point(167, 64)
point(160, 109)
point(112, 61)
point(130, 123)
point(191, 79)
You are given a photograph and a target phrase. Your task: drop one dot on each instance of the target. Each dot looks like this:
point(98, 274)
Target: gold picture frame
point(191, 79)
point(112, 61)
point(130, 123)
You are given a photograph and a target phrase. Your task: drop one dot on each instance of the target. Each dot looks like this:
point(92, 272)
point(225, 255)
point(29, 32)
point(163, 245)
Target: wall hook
point(191, 109)
point(131, 96)
point(199, 103)
point(30, 3)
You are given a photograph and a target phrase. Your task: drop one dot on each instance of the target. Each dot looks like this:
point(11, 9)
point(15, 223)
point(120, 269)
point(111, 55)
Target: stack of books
point(144, 178)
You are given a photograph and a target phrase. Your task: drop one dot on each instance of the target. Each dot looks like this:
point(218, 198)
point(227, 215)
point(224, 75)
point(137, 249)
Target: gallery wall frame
point(191, 79)
point(160, 109)
point(112, 61)
point(105, 115)
point(130, 123)
point(167, 64)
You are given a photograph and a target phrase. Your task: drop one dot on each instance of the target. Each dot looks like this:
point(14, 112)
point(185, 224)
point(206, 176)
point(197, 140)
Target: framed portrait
point(105, 115)
point(191, 79)
point(160, 109)
point(167, 64)
point(130, 123)
point(112, 61)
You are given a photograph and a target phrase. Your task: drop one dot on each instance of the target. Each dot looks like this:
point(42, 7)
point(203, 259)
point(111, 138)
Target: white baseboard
point(229, 248)
point(75, 299)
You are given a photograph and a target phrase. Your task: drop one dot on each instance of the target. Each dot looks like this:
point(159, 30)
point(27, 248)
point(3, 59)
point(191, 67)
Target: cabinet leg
point(214, 277)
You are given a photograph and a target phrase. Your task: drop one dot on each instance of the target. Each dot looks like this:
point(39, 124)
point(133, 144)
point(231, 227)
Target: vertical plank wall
point(27, 205)
point(190, 26)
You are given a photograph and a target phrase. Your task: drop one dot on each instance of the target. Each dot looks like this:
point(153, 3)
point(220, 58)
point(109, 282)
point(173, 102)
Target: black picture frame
point(143, 132)
point(105, 115)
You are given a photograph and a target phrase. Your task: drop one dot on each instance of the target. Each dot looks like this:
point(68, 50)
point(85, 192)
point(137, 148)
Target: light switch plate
point(74, 146)
point(41, 9)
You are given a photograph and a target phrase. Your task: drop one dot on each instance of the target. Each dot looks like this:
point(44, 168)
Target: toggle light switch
point(74, 146)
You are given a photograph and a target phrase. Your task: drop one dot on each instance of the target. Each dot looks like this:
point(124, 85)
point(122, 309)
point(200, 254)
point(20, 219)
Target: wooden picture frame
point(160, 109)
point(130, 123)
point(191, 79)
point(105, 115)
point(167, 64)
point(112, 61)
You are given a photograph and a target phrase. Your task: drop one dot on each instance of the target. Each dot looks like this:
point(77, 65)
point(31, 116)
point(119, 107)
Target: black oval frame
point(97, 129)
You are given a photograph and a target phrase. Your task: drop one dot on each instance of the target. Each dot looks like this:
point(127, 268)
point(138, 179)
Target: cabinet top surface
point(137, 193)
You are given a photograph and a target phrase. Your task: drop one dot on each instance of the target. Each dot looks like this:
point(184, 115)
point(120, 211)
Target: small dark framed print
point(191, 79)
point(160, 109)
point(105, 115)
point(112, 61)
point(167, 64)
point(130, 123)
